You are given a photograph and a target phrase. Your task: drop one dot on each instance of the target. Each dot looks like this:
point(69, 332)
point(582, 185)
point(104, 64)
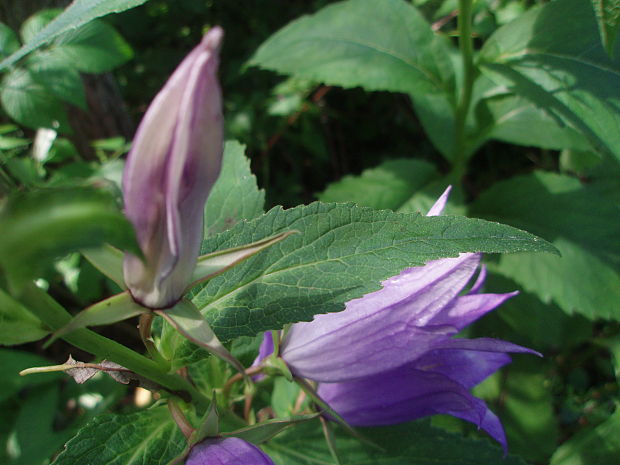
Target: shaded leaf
point(93, 48)
point(414, 443)
point(77, 14)
point(40, 226)
point(553, 56)
point(597, 445)
point(608, 16)
point(8, 41)
point(30, 103)
point(385, 45)
point(388, 186)
point(17, 324)
point(582, 224)
point(14, 361)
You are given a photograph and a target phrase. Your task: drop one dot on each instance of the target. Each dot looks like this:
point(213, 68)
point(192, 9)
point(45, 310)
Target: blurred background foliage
point(309, 140)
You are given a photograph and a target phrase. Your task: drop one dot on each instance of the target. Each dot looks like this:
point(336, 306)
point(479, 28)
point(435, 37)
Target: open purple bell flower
point(391, 356)
point(228, 451)
point(174, 162)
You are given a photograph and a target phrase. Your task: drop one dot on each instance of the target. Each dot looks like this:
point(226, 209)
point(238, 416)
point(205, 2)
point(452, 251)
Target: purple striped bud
point(229, 451)
point(174, 162)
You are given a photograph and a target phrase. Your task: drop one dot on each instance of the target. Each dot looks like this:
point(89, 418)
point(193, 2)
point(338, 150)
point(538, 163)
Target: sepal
point(210, 265)
point(189, 322)
point(264, 431)
point(112, 310)
point(109, 261)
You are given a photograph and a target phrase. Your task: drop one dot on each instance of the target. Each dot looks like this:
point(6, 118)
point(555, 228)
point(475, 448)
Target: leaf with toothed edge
point(343, 252)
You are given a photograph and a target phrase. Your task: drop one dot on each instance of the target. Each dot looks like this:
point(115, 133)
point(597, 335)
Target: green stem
point(52, 314)
point(466, 45)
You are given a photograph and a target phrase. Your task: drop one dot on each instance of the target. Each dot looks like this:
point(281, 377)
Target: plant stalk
point(466, 46)
point(53, 315)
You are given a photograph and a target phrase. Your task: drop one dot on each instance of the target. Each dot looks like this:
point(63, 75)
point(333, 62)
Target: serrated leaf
point(235, 195)
point(149, 437)
point(386, 187)
point(30, 103)
point(77, 14)
point(608, 16)
point(343, 252)
point(42, 225)
point(411, 444)
point(93, 48)
point(17, 324)
point(386, 45)
point(583, 225)
point(553, 56)
point(597, 445)
point(8, 40)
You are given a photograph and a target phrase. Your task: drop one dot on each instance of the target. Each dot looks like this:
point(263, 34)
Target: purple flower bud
point(229, 451)
point(174, 162)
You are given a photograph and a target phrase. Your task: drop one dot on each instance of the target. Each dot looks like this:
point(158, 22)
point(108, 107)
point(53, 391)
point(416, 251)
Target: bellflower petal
point(174, 162)
point(382, 330)
point(228, 451)
point(405, 394)
point(440, 204)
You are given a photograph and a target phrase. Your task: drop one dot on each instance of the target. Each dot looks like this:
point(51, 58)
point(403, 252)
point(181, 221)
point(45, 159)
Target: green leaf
point(343, 252)
point(77, 14)
point(58, 78)
point(14, 361)
point(411, 444)
point(608, 16)
point(17, 324)
point(40, 226)
point(30, 103)
point(386, 45)
point(593, 446)
point(149, 437)
point(553, 57)
point(93, 48)
point(517, 120)
point(35, 23)
point(8, 41)
point(35, 425)
point(235, 196)
point(386, 187)
point(583, 225)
